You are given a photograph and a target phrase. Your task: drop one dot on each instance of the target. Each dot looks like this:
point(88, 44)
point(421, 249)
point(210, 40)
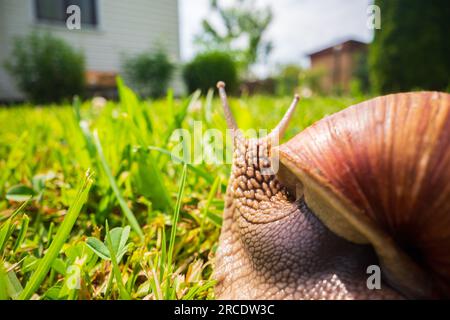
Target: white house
point(109, 29)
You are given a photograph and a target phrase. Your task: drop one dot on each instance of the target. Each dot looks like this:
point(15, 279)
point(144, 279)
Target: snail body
point(369, 185)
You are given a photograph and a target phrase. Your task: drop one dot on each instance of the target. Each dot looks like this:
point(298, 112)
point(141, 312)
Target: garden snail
point(369, 185)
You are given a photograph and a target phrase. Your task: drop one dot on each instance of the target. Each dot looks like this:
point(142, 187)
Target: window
point(55, 10)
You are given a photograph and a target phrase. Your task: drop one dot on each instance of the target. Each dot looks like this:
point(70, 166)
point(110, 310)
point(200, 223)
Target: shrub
point(46, 68)
point(312, 80)
point(288, 79)
point(149, 73)
point(206, 69)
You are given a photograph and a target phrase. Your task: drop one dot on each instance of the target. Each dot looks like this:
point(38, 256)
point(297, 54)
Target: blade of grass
point(22, 233)
point(76, 105)
point(109, 285)
point(208, 106)
point(149, 181)
point(208, 177)
point(178, 120)
point(194, 290)
point(128, 214)
point(176, 215)
point(173, 232)
point(211, 194)
point(59, 240)
point(3, 283)
point(13, 284)
point(155, 284)
point(118, 275)
point(181, 115)
point(7, 227)
point(162, 258)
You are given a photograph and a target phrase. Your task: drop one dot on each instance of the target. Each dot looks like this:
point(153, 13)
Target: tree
point(361, 72)
point(243, 23)
point(411, 51)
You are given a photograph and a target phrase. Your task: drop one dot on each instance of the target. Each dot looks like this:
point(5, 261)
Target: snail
point(367, 187)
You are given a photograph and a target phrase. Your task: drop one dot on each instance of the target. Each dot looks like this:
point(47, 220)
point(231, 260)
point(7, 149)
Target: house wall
point(324, 63)
point(124, 28)
point(337, 64)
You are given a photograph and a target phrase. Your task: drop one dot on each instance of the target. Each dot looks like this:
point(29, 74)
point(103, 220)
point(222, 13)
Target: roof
point(336, 43)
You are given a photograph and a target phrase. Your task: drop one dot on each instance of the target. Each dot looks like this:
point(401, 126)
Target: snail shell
point(379, 172)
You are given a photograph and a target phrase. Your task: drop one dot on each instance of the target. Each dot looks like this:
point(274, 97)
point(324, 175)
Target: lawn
point(72, 174)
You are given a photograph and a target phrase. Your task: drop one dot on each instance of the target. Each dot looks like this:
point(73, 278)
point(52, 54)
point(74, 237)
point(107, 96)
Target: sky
point(298, 27)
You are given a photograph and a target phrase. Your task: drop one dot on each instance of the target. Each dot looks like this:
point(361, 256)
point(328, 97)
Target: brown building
point(336, 64)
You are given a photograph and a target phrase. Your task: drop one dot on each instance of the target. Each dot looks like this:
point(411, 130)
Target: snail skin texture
point(369, 185)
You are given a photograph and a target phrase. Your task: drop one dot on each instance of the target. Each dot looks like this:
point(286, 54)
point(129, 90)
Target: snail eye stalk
point(231, 122)
point(276, 133)
point(280, 129)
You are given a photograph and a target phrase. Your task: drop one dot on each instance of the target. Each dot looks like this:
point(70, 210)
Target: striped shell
point(379, 172)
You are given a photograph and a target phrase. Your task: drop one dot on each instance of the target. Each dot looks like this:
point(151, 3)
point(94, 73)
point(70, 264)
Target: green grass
point(140, 225)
